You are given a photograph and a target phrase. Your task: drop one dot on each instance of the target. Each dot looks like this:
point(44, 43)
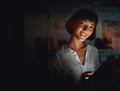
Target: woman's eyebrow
point(81, 22)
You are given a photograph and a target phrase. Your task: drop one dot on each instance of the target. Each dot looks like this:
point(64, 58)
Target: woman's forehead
point(85, 21)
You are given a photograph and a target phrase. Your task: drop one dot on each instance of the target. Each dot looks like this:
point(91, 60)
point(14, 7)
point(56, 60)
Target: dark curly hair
point(82, 14)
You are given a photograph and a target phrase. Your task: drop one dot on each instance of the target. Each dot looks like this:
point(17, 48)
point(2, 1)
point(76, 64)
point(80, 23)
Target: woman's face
point(82, 29)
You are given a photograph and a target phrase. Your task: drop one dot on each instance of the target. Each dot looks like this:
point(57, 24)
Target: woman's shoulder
point(61, 49)
point(93, 47)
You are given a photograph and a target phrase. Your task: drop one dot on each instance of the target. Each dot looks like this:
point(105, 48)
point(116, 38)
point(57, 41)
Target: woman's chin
point(82, 40)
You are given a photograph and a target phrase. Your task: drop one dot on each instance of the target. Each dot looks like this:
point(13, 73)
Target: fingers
point(90, 73)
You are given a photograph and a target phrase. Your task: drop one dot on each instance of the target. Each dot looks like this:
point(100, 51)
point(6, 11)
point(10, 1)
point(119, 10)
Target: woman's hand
point(86, 75)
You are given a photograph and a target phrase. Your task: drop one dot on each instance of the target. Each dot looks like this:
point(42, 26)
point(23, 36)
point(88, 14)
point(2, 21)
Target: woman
point(77, 59)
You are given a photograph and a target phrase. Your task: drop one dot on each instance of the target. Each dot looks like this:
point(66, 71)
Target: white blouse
point(67, 61)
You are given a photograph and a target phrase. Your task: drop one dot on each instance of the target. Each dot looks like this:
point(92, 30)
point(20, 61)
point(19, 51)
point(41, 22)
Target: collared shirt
point(68, 62)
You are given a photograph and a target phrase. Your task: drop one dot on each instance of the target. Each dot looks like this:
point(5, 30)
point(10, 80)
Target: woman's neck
point(75, 44)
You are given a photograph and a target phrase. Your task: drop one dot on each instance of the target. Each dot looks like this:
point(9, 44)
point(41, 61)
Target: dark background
point(18, 71)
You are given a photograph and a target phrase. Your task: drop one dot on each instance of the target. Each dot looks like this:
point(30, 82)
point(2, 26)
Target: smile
point(83, 34)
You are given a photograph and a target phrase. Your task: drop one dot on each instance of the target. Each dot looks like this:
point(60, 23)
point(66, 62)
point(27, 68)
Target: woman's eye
point(82, 25)
point(91, 27)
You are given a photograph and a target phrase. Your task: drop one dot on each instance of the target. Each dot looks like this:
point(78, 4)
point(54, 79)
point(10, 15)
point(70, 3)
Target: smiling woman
point(75, 58)
point(83, 29)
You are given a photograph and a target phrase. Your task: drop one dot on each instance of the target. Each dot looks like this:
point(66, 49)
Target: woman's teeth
point(82, 34)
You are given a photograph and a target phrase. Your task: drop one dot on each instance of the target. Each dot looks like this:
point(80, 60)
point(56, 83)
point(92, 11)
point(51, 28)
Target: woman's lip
point(82, 34)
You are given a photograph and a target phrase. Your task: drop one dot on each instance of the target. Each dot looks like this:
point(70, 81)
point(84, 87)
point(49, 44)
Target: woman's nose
point(85, 28)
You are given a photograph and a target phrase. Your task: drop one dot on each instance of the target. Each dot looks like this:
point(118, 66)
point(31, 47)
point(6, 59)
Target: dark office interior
point(36, 29)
